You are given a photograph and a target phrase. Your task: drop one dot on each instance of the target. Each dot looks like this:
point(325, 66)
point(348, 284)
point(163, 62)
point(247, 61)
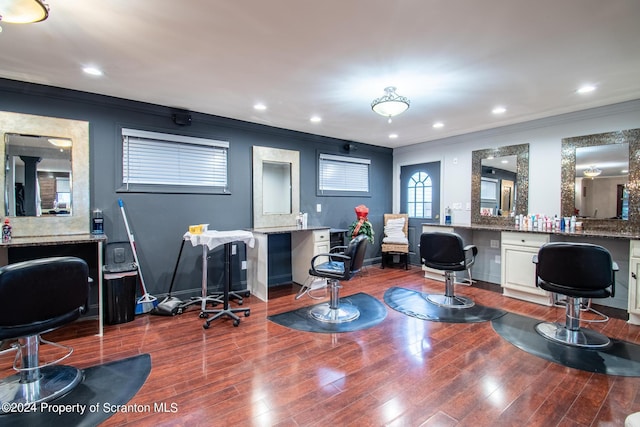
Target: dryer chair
point(340, 266)
point(576, 270)
point(36, 297)
point(447, 252)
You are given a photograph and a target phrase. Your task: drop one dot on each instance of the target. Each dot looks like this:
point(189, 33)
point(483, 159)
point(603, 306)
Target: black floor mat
point(104, 388)
point(413, 303)
point(372, 312)
point(621, 358)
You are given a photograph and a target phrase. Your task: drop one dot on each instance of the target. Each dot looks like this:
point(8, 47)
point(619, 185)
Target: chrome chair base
point(52, 382)
point(450, 301)
point(343, 313)
point(582, 337)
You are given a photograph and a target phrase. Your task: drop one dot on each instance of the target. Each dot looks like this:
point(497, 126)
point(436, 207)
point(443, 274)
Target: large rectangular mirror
point(46, 186)
point(276, 187)
point(600, 180)
point(38, 175)
point(499, 184)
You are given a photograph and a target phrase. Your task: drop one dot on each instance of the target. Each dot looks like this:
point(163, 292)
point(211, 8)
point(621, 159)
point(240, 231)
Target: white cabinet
point(634, 277)
point(518, 270)
point(304, 245)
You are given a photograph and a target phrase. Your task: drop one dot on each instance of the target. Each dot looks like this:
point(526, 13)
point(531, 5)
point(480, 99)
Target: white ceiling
point(455, 59)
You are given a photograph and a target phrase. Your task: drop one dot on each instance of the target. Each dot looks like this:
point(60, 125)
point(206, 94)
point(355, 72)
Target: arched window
point(419, 195)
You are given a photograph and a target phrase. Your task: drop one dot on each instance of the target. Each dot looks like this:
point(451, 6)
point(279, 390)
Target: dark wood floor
point(402, 372)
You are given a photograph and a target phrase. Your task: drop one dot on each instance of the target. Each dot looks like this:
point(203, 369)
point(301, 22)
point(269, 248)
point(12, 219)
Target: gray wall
point(158, 221)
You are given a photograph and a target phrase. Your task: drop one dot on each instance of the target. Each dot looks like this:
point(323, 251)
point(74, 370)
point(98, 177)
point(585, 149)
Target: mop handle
point(175, 270)
point(133, 246)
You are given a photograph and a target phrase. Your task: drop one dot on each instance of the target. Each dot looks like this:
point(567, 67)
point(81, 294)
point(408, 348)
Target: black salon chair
point(36, 297)
point(340, 266)
point(576, 270)
point(447, 252)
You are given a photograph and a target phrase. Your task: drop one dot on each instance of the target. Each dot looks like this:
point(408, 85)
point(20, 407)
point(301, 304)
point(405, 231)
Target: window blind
point(343, 174)
point(150, 158)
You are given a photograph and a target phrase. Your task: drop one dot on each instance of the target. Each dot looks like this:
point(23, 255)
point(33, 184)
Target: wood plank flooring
point(402, 372)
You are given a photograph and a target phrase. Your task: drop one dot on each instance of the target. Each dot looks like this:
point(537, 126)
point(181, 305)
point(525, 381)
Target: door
point(420, 198)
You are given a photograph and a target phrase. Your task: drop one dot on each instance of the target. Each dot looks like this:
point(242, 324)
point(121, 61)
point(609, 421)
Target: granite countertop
point(286, 229)
point(54, 240)
point(583, 233)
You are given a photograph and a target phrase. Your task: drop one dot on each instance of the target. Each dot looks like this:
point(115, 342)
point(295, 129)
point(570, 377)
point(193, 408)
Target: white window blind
point(343, 174)
point(151, 158)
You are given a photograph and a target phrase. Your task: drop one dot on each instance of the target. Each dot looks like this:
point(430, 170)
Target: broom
point(146, 302)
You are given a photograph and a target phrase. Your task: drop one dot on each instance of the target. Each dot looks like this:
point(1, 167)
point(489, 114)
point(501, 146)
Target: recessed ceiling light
point(260, 106)
point(586, 89)
point(92, 71)
point(393, 135)
point(316, 119)
point(499, 110)
point(438, 125)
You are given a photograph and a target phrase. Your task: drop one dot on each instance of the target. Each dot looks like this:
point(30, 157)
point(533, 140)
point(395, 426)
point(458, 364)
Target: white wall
point(544, 137)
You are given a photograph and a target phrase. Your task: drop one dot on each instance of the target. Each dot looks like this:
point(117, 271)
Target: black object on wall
point(182, 118)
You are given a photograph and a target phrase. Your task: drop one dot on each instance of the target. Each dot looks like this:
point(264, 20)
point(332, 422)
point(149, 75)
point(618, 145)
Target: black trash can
point(120, 284)
point(119, 295)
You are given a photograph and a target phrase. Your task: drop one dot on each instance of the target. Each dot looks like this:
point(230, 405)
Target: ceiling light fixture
point(592, 172)
point(23, 11)
point(391, 104)
point(260, 107)
point(499, 110)
point(438, 125)
point(315, 119)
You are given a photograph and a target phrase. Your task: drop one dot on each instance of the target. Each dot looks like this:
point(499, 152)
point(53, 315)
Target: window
point(340, 175)
point(157, 162)
point(420, 195)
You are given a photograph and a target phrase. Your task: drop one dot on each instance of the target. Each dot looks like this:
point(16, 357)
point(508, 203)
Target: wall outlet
point(456, 206)
point(468, 206)
point(244, 265)
point(318, 207)
point(234, 249)
point(495, 244)
point(497, 259)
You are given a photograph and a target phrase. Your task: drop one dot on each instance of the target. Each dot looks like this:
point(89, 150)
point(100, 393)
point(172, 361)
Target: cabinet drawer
point(321, 236)
point(524, 239)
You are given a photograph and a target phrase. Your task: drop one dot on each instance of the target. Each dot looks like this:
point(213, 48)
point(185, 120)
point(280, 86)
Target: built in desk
point(511, 250)
point(305, 243)
point(88, 247)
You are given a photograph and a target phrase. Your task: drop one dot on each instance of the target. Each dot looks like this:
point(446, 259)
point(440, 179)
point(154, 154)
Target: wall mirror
point(499, 184)
point(38, 175)
point(276, 187)
point(46, 178)
point(600, 179)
